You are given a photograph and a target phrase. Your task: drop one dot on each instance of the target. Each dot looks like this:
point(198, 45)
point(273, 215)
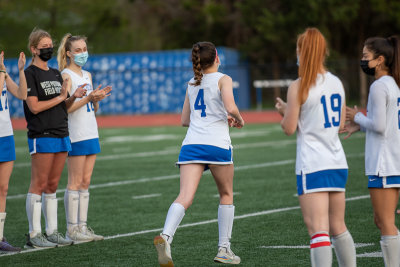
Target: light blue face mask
point(81, 58)
point(298, 61)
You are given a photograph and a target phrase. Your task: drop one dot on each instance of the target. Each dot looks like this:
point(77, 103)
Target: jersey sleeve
point(31, 83)
point(376, 120)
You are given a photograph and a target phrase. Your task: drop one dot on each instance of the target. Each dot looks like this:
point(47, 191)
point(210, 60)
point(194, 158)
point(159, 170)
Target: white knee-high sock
point(49, 207)
point(2, 221)
point(225, 224)
point(320, 250)
point(33, 212)
point(390, 245)
point(344, 249)
point(72, 209)
point(66, 204)
point(174, 217)
point(83, 207)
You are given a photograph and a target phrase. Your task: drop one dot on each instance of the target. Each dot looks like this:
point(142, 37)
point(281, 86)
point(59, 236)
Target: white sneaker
point(225, 255)
point(76, 236)
point(89, 232)
point(164, 251)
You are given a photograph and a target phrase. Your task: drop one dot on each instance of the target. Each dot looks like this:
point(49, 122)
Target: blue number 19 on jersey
point(199, 103)
point(336, 105)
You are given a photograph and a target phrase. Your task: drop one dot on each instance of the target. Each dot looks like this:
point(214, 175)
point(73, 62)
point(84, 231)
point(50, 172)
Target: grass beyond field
point(135, 181)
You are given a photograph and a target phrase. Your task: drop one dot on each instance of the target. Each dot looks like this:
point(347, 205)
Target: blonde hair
point(34, 39)
point(66, 43)
point(313, 50)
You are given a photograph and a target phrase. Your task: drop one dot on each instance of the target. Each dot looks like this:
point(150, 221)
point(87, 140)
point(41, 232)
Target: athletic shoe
point(76, 236)
point(58, 239)
point(89, 232)
point(39, 241)
point(164, 251)
point(5, 247)
point(225, 255)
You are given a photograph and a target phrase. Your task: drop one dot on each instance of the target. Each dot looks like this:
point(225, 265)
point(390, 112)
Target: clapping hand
point(80, 91)
point(99, 94)
point(21, 61)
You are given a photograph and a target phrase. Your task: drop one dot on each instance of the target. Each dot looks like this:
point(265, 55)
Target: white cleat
point(76, 236)
point(164, 251)
point(89, 232)
point(225, 255)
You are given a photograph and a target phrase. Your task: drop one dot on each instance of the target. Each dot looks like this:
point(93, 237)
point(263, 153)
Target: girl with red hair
point(316, 109)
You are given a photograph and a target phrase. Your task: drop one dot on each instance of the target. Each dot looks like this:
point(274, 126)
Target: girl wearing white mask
point(82, 125)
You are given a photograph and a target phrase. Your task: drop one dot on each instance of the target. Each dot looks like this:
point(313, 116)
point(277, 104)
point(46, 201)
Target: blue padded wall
point(148, 82)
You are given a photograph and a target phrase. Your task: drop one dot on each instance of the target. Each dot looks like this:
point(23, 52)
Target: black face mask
point(46, 53)
point(366, 69)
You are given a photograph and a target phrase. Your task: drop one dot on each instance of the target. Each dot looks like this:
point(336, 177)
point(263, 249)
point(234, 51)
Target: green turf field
point(135, 181)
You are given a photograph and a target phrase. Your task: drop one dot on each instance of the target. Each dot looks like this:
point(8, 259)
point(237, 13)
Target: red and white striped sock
point(320, 250)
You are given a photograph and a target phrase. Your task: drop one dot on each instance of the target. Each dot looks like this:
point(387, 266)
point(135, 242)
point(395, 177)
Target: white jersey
point(208, 117)
point(5, 122)
point(382, 125)
point(82, 124)
point(318, 144)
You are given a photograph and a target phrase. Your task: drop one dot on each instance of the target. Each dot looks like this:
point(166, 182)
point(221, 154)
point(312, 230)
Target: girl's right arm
point(291, 110)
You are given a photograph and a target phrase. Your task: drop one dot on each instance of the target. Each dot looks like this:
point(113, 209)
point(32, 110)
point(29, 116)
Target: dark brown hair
point(389, 48)
point(203, 57)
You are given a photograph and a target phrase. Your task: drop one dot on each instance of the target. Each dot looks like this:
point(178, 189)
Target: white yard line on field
point(158, 230)
point(146, 196)
point(357, 245)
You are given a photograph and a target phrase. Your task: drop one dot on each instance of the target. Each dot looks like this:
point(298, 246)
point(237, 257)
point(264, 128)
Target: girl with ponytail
point(381, 59)
point(72, 56)
point(209, 109)
point(315, 108)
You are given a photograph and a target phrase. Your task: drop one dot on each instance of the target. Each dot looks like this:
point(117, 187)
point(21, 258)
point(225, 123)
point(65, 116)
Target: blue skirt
point(205, 154)
point(322, 181)
point(85, 147)
point(383, 182)
point(49, 145)
point(7, 148)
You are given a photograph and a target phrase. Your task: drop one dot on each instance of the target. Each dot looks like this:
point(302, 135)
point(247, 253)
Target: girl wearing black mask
point(47, 120)
point(381, 59)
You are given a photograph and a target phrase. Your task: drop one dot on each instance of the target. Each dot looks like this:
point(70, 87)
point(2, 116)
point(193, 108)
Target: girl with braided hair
point(209, 109)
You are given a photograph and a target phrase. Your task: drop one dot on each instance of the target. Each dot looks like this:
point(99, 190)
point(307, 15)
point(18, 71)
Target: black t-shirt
point(45, 85)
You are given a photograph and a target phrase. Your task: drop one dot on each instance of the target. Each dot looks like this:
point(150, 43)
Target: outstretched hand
point(350, 127)
point(280, 106)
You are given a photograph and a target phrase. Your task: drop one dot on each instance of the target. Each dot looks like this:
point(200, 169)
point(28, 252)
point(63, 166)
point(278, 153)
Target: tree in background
point(264, 31)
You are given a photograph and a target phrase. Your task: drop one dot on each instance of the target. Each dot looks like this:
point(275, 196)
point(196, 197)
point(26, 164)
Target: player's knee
point(52, 186)
point(3, 190)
